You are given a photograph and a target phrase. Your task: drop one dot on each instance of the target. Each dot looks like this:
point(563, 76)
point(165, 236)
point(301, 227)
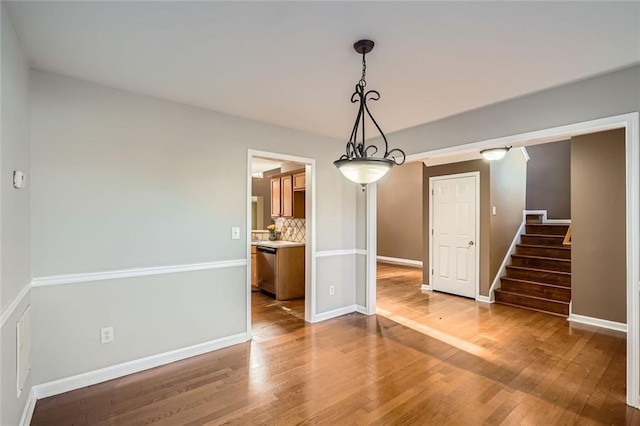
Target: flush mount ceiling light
point(359, 164)
point(492, 154)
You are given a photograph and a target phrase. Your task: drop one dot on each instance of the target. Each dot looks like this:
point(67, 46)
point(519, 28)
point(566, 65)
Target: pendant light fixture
point(493, 154)
point(359, 164)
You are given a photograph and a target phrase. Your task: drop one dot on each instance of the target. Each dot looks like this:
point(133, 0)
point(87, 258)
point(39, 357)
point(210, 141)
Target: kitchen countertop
point(277, 244)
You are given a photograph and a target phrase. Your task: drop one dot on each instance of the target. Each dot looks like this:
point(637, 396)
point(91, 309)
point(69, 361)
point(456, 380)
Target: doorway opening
point(280, 220)
point(628, 122)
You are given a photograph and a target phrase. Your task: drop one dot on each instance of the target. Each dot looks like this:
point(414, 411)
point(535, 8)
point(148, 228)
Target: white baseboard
point(426, 287)
point(119, 370)
point(29, 407)
point(400, 261)
point(483, 299)
point(611, 325)
point(335, 313)
point(361, 309)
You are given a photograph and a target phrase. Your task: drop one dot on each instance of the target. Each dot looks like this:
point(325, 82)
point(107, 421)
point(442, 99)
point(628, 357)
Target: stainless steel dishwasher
point(266, 265)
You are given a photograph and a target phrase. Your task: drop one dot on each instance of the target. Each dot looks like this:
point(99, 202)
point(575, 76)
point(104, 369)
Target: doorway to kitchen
point(280, 223)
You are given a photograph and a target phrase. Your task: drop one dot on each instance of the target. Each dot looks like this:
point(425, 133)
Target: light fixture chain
point(362, 81)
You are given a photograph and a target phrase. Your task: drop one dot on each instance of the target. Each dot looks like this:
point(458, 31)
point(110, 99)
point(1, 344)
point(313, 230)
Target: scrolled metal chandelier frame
point(359, 163)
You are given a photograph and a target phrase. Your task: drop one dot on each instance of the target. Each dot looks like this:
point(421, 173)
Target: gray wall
point(127, 181)
point(399, 226)
point(481, 166)
point(603, 96)
point(15, 271)
point(549, 179)
point(508, 194)
point(598, 249)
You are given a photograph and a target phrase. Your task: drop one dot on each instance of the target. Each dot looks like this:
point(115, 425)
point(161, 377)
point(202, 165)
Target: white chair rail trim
point(8, 311)
point(135, 272)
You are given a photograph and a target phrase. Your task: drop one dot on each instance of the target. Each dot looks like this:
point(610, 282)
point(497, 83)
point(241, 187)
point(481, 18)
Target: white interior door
point(454, 230)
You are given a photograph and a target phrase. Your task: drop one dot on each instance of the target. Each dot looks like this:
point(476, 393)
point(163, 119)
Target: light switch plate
point(235, 233)
point(18, 179)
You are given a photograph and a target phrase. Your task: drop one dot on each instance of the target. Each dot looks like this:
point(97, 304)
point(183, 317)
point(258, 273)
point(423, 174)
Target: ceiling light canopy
point(493, 154)
point(358, 164)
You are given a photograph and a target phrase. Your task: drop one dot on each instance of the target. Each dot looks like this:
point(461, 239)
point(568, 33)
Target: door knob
point(470, 243)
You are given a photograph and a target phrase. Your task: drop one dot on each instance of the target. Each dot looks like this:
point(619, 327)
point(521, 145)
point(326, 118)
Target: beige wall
point(400, 212)
point(599, 231)
point(549, 179)
point(449, 169)
point(508, 195)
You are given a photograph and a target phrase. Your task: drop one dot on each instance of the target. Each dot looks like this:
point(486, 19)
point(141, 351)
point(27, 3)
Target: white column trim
point(371, 275)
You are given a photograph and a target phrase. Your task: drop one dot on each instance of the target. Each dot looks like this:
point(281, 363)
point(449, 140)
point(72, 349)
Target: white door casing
point(453, 211)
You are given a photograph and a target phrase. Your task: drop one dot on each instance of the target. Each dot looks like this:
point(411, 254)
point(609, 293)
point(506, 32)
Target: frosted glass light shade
point(493, 154)
point(364, 170)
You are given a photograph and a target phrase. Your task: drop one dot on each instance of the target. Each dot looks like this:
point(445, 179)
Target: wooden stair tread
point(565, 248)
point(528, 256)
point(538, 283)
point(560, 237)
point(532, 309)
point(546, 271)
point(528, 296)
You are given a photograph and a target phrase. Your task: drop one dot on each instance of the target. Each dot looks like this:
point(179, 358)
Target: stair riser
point(560, 294)
point(542, 241)
point(543, 305)
point(558, 253)
point(541, 277)
point(547, 229)
point(547, 264)
point(534, 218)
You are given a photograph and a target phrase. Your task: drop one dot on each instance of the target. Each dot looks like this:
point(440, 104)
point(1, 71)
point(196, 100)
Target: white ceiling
point(292, 63)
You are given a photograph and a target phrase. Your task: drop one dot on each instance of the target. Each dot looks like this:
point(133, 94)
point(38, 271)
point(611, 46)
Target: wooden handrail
point(567, 237)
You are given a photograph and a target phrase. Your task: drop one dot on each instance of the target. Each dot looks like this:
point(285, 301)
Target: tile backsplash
point(298, 231)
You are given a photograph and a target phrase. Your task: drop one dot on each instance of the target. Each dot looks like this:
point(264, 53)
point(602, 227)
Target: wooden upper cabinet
point(276, 210)
point(288, 195)
point(286, 191)
point(299, 182)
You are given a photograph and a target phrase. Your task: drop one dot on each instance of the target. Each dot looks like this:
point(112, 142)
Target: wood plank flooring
point(426, 358)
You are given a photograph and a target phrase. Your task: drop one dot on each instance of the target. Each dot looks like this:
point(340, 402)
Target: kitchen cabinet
point(281, 271)
point(288, 195)
point(299, 181)
point(275, 197)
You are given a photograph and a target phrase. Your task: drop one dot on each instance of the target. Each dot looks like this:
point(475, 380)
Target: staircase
point(539, 277)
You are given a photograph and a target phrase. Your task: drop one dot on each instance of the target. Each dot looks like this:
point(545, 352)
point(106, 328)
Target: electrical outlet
point(332, 290)
point(106, 335)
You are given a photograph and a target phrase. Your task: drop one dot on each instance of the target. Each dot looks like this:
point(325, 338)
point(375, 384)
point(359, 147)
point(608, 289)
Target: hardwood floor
point(426, 358)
